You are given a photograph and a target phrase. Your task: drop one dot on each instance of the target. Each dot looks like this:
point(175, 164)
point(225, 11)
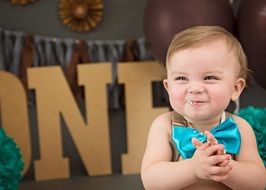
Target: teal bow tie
point(226, 133)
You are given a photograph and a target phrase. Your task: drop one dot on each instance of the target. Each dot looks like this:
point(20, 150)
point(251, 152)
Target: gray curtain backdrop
point(56, 51)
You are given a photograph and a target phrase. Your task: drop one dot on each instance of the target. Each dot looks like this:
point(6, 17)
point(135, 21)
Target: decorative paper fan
point(21, 2)
point(81, 15)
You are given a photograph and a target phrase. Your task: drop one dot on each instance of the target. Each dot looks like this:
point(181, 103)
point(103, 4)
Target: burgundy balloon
point(164, 18)
point(251, 26)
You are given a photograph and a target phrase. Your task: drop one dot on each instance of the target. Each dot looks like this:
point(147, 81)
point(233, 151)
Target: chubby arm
point(157, 170)
point(248, 171)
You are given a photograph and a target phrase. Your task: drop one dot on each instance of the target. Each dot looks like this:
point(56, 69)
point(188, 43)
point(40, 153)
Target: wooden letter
point(53, 97)
point(14, 113)
point(139, 111)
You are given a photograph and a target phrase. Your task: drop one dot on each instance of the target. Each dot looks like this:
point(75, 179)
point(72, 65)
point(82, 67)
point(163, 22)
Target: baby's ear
point(238, 88)
point(165, 84)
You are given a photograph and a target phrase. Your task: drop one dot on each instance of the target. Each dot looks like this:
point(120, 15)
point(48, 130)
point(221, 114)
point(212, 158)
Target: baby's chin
point(198, 116)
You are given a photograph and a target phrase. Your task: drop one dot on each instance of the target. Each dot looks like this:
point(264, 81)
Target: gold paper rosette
point(81, 15)
point(21, 2)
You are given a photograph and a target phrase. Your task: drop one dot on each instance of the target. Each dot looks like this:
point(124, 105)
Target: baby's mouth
point(194, 102)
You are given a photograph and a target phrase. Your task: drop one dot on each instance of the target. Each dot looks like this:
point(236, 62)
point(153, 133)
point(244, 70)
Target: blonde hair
point(200, 35)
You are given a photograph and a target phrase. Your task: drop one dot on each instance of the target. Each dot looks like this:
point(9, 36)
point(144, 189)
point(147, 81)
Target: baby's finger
point(223, 163)
point(196, 142)
point(216, 170)
point(221, 151)
point(217, 159)
point(211, 138)
point(204, 145)
point(212, 150)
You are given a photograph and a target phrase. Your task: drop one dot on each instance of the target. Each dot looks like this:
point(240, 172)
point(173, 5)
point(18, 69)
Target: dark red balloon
point(164, 18)
point(251, 26)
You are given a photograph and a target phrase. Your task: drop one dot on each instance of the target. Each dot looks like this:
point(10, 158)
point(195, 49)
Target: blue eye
point(180, 78)
point(211, 78)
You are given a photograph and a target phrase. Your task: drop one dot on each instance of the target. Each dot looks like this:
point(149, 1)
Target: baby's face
point(202, 80)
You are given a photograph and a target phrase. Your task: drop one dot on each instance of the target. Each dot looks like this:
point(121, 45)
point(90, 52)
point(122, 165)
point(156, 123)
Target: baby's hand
point(208, 162)
point(213, 141)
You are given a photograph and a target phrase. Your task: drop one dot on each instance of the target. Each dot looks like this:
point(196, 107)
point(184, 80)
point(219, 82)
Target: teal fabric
point(11, 163)
point(226, 133)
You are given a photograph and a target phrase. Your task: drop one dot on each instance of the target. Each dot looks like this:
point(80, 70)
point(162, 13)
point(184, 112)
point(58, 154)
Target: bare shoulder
point(162, 122)
point(243, 125)
point(245, 129)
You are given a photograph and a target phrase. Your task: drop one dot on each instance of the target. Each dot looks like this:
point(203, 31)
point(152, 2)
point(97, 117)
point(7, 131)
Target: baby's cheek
point(177, 99)
point(221, 98)
point(177, 95)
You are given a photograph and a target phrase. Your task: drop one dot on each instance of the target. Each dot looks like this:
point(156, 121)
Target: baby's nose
point(195, 87)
